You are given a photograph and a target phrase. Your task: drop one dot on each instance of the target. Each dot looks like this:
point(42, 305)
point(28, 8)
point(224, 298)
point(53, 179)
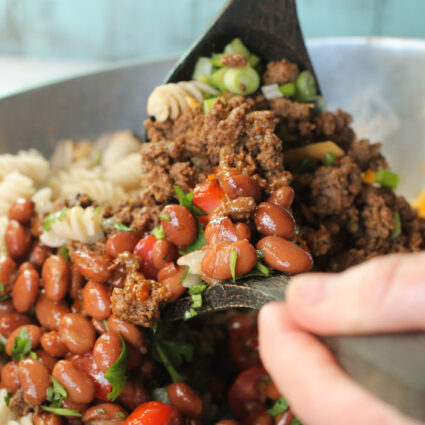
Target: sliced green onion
point(280, 406)
point(319, 103)
point(253, 60)
point(216, 59)
point(306, 86)
point(288, 89)
point(208, 103)
point(329, 159)
point(158, 232)
point(271, 91)
point(164, 216)
point(387, 178)
point(123, 228)
point(396, 232)
point(236, 45)
point(217, 79)
point(196, 300)
point(242, 81)
point(306, 165)
point(203, 68)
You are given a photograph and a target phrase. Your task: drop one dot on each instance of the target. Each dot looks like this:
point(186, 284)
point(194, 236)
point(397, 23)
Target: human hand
point(386, 294)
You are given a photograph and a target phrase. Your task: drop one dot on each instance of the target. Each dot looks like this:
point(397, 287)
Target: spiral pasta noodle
point(14, 186)
point(43, 200)
point(126, 172)
point(4, 221)
point(117, 146)
point(169, 100)
point(77, 224)
point(98, 190)
point(29, 163)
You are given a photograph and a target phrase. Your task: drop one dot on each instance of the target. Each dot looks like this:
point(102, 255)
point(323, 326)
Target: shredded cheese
point(369, 177)
point(419, 204)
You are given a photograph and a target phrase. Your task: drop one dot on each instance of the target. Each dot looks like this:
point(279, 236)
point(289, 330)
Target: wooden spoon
point(391, 366)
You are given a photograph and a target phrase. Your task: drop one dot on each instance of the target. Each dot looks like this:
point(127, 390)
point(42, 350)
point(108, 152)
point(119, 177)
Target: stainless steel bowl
point(381, 81)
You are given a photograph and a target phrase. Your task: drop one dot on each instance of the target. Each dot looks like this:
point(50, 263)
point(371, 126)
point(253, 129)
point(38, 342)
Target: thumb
point(382, 295)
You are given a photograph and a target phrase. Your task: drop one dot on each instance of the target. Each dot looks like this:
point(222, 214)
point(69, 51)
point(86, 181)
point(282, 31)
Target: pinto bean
point(216, 265)
point(227, 422)
point(128, 331)
point(184, 399)
point(164, 252)
point(240, 185)
point(39, 253)
point(93, 266)
point(78, 385)
point(46, 359)
point(179, 225)
point(282, 197)
point(21, 210)
point(25, 266)
point(258, 417)
point(133, 394)
point(223, 229)
point(46, 418)
point(272, 220)
point(6, 306)
point(96, 299)
point(285, 256)
point(76, 282)
point(52, 344)
point(25, 291)
point(17, 239)
point(49, 313)
point(121, 242)
point(34, 334)
point(10, 321)
point(34, 379)
point(77, 333)
point(106, 350)
point(55, 273)
point(79, 407)
point(105, 414)
point(7, 268)
point(171, 276)
point(9, 377)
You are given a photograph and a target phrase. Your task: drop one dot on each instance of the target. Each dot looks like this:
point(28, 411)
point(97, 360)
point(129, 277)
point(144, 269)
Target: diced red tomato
point(85, 362)
point(144, 249)
point(150, 413)
point(208, 196)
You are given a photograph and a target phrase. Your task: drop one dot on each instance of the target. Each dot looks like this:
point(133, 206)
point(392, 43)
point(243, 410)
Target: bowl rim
point(372, 41)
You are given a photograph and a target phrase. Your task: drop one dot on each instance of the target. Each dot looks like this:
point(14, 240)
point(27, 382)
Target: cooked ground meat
point(280, 72)
point(239, 209)
point(18, 404)
point(234, 60)
point(140, 299)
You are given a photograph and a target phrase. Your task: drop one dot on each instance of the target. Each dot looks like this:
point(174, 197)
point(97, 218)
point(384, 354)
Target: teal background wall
point(118, 29)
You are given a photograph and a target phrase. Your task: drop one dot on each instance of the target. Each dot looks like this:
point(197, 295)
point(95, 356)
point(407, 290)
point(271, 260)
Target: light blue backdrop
point(117, 29)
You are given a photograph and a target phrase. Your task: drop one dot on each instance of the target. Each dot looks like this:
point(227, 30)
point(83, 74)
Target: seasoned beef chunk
point(234, 60)
point(18, 404)
point(280, 72)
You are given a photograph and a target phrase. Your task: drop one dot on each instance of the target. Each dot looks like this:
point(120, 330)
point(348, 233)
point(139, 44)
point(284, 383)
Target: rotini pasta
point(98, 189)
point(43, 200)
point(29, 163)
point(68, 153)
point(77, 224)
point(118, 146)
point(169, 100)
point(126, 172)
point(14, 186)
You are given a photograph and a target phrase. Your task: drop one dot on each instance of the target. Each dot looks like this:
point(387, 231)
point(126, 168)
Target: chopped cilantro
point(62, 214)
point(115, 375)
point(260, 254)
point(56, 393)
point(199, 241)
point(195, 292)
point(22, 345)
point(64, 252)
point(123, 228)
point(189, 314)
point(5, 297)
point(61, 411)
point(396, 232)
point(196, 300)
point(259, 270)
point(233, 258)
point(105, 323)
point(158, 232)
point(280, 406)
point(295, 421)
point(329, 159)
point(7, 398)
point(101, 410)
point(33, 355)
point(186, 200)
point(120, 415)
point(164, 216)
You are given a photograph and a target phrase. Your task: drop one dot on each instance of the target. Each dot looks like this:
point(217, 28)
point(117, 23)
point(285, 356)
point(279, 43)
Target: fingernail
point(309, 290)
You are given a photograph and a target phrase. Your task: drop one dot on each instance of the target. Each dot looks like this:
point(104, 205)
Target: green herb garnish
point(56, 393)
point(101, 410)
point(164, 216)
point(186, 271)
point(195, 293)
point(120, 415)
point(186, 200)
point(199, 242)
point(115, 375)
point(160, 394)
point(64, 252)
point(33, 355)
point(51, 218)
point(22, 345)
point(329, 159)
point(158, 232)
point(396, 232)
point(123, 228)
point(280, 406)
point(61, 411)
point(387, 178)
point(233, 258)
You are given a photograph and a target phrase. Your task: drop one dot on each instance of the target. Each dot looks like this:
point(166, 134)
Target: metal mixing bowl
point(381, 81)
